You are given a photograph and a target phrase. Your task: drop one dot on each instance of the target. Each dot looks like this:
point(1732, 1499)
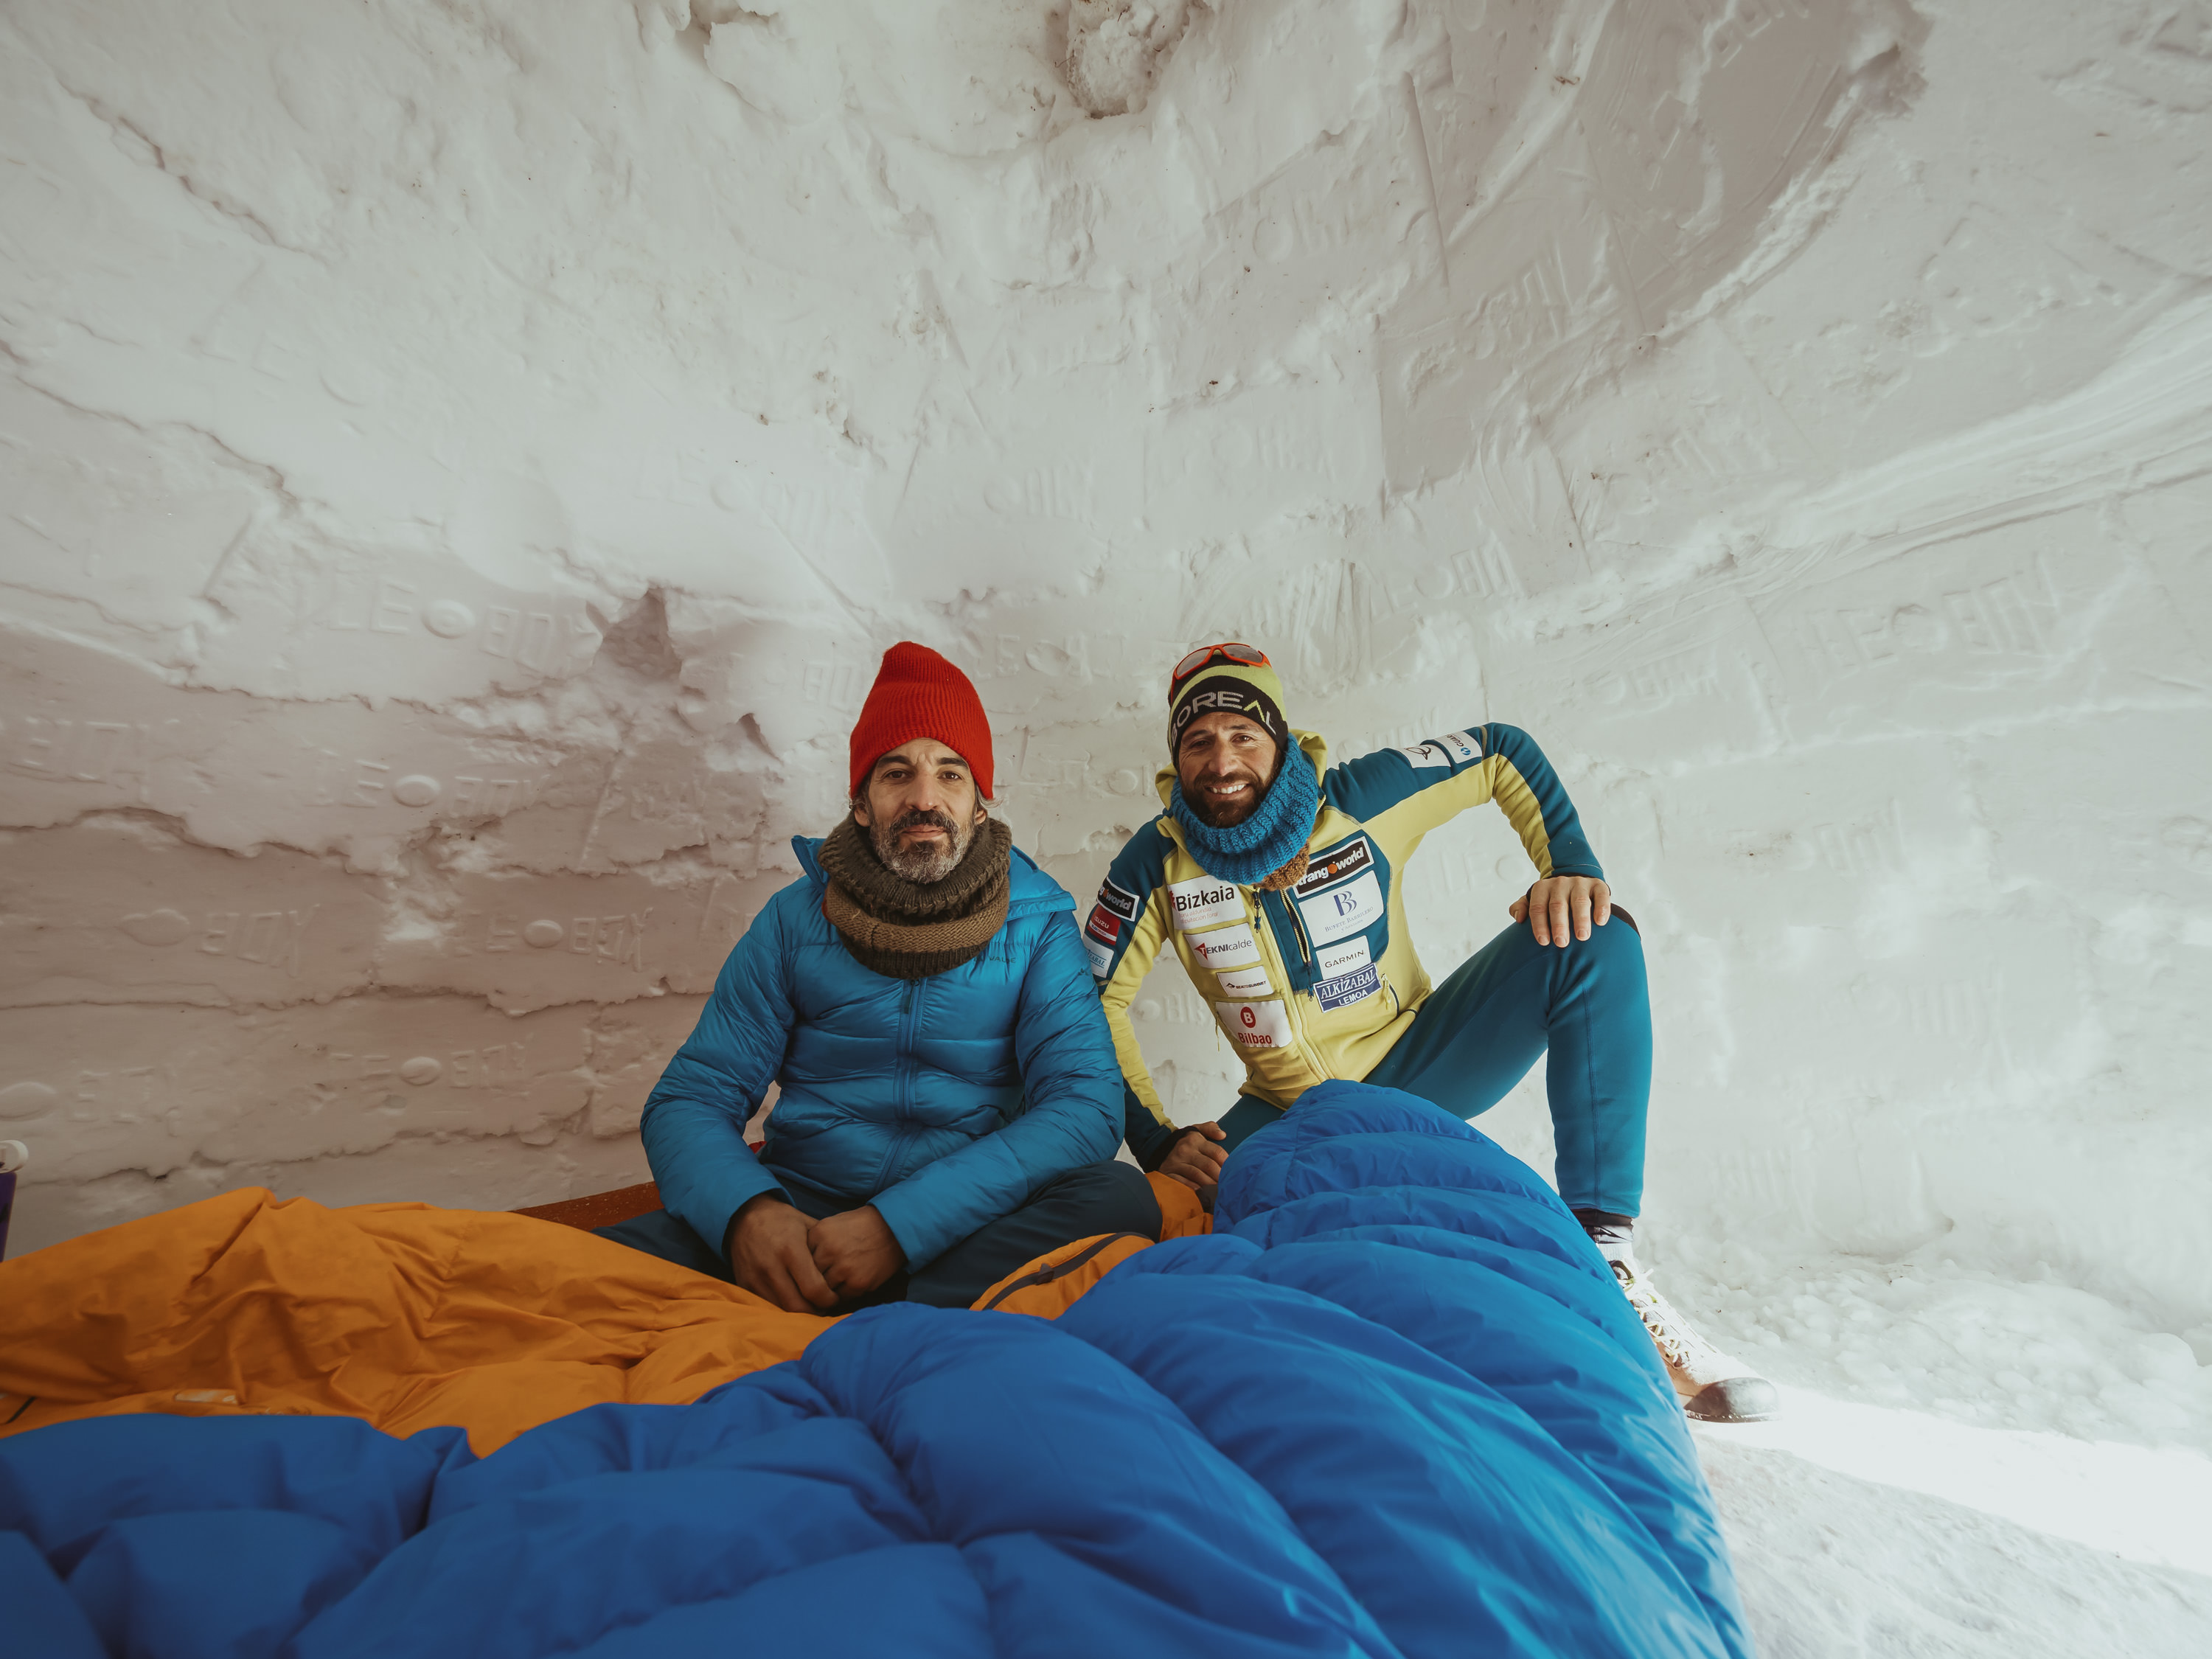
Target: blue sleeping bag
point(1393, 1405)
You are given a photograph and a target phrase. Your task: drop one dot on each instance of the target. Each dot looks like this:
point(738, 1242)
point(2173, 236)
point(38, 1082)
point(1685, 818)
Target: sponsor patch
point(1204, 902)
point(1340, 865)
point(1255, 1025)
point(1225, 947)
point(1104, 925)
point(1425, 754)
point(1354, 987)
point(1462, 746)
point(1102, 958)
point(1246, 982)
point(1343, 958)
point(1351, 908)
point(1119, 900)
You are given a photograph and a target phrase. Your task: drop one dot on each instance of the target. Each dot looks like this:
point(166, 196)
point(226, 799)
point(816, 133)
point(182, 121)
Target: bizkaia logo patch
point(1255, 1025)
point(1119, 900)
point(1104, 925)
point(1340, 864)
point(1425, 754)
point(1204, 902)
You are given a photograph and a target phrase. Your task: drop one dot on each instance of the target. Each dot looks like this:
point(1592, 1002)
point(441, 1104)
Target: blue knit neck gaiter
point(1249, 853)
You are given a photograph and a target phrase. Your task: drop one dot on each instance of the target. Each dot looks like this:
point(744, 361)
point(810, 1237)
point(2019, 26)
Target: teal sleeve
point(1463, 768)
point(1571, 854)
point(694, 1127)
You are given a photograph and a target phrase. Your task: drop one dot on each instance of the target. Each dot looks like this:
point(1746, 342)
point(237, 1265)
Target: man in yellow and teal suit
point(1274, 877)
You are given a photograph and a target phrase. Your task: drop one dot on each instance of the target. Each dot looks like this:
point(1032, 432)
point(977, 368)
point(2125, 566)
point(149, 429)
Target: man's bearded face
point(920, 810)
point(924, 861)
point(1225, 765)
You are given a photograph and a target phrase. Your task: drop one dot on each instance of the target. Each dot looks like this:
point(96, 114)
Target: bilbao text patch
point(1255, 1025)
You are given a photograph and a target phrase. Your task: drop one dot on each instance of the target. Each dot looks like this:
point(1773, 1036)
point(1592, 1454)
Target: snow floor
point(1860, 1530)
point(1964, 1465)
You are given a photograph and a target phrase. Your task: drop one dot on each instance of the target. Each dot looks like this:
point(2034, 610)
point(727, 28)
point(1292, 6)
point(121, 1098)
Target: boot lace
point(1671, 1334)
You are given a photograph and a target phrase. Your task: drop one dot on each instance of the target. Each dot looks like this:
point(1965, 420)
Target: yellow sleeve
point(1132, 962)
point(1404, 793)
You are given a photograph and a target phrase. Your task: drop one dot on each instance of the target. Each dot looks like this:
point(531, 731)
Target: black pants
point(1099, 1198)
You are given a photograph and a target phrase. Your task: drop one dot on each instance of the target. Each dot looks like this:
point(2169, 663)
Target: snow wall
point(463, 461)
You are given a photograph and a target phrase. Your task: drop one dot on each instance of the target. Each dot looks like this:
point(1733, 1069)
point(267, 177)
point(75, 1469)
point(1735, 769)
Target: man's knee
point(659, 1233)
point(1112, 1197)
point(1615, 948)
point(1619, 949)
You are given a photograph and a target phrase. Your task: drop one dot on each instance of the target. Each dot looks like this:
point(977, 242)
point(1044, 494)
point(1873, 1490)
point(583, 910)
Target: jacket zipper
point(910, 1000)
point(1291, 1009)
point(1299, 926)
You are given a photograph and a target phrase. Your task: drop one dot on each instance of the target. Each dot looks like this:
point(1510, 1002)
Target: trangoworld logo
point(1340, 864)
point(1119, 900)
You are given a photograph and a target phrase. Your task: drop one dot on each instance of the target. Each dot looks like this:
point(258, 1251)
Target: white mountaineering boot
point(1713, 1387)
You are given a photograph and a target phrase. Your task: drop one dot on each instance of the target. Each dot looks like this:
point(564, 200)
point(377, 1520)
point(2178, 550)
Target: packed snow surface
point(463, 460)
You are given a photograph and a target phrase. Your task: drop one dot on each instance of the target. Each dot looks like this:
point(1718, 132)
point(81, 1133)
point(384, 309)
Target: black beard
point(1214, 818)
point(922, 866)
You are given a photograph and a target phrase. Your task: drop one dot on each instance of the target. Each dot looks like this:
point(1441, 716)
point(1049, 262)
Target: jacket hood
point(1029, 888)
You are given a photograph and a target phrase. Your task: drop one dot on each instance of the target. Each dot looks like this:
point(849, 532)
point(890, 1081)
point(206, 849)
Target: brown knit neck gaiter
point(908, 930)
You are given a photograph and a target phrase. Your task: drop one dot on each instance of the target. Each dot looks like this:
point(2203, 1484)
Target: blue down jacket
point(945, 1101)
point(1399, 1407)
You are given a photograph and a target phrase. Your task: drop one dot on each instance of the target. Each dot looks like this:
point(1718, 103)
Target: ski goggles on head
point(1206, 655)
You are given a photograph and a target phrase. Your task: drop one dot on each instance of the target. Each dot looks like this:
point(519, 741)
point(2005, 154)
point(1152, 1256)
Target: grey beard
point(922, 866)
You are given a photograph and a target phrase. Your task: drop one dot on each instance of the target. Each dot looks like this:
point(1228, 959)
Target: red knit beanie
point(918, 694)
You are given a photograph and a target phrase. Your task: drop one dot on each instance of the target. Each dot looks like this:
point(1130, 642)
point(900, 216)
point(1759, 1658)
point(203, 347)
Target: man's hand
point(855, 1250)
point(1194, 1160)
point(1557, 903)
point(769, 1255)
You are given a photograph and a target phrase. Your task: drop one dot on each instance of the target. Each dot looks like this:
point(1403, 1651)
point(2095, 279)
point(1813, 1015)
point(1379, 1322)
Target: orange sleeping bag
point(404, 1315)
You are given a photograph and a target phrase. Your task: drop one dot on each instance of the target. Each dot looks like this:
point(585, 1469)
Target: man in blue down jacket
point(950, 1102)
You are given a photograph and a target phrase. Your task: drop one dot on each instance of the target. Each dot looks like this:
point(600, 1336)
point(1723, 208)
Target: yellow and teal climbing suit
point(1321, 981)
